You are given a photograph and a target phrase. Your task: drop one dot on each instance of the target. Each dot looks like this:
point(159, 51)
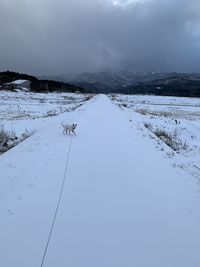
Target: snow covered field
point(115, 196)
point(161, 117)
point(20, 105)
point(25, 111)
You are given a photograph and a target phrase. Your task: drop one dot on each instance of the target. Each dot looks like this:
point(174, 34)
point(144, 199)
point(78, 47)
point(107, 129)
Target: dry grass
point(165, 114)
point(170, 114)
point(9, 139)
point(170, 139)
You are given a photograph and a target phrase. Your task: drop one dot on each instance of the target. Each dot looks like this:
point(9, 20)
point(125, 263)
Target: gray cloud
point(63, 36)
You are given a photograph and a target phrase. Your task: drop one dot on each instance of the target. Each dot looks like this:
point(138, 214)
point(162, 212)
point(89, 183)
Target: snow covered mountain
point(176, 84)
point(109, 81)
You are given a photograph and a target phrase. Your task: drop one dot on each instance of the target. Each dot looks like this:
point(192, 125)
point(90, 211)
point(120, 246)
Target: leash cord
point(57, 207)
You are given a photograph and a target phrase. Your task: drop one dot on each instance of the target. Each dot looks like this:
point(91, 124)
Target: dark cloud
point(63, 36)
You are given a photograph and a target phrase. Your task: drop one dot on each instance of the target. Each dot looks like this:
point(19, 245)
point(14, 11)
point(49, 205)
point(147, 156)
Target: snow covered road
point(123, 204)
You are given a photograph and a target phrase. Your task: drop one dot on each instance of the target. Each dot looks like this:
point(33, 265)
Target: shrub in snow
point(88, 97)
point(172, 140)
point(51, 113)
point(3, 138)
point(142, 111)
point(9, 139)
point(148, 126)
point(6, 138)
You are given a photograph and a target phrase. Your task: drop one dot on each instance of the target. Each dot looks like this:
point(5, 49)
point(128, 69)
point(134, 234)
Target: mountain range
point(108, 81)
point(158, 83)
point(127, 82)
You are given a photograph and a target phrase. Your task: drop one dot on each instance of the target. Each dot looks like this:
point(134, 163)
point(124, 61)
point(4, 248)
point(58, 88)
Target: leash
point(58, 204)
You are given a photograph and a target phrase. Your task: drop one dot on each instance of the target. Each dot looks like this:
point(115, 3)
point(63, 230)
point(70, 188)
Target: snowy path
point(123, 205)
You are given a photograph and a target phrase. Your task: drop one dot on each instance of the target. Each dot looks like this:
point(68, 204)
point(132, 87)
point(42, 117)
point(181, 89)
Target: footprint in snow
point(19, 197)
point(10, 212)
point(11, 165)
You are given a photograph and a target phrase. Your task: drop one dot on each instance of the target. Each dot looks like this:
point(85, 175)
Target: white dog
point(68, 128)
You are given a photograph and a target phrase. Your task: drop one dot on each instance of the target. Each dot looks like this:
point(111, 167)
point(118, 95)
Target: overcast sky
point(66, 36)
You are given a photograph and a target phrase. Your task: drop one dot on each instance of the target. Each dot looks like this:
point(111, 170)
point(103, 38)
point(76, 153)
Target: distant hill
point(130, 82)
point(38, 85)
point(187, 85)
point(127, 82)
point(107, 81)
point(9, 76)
